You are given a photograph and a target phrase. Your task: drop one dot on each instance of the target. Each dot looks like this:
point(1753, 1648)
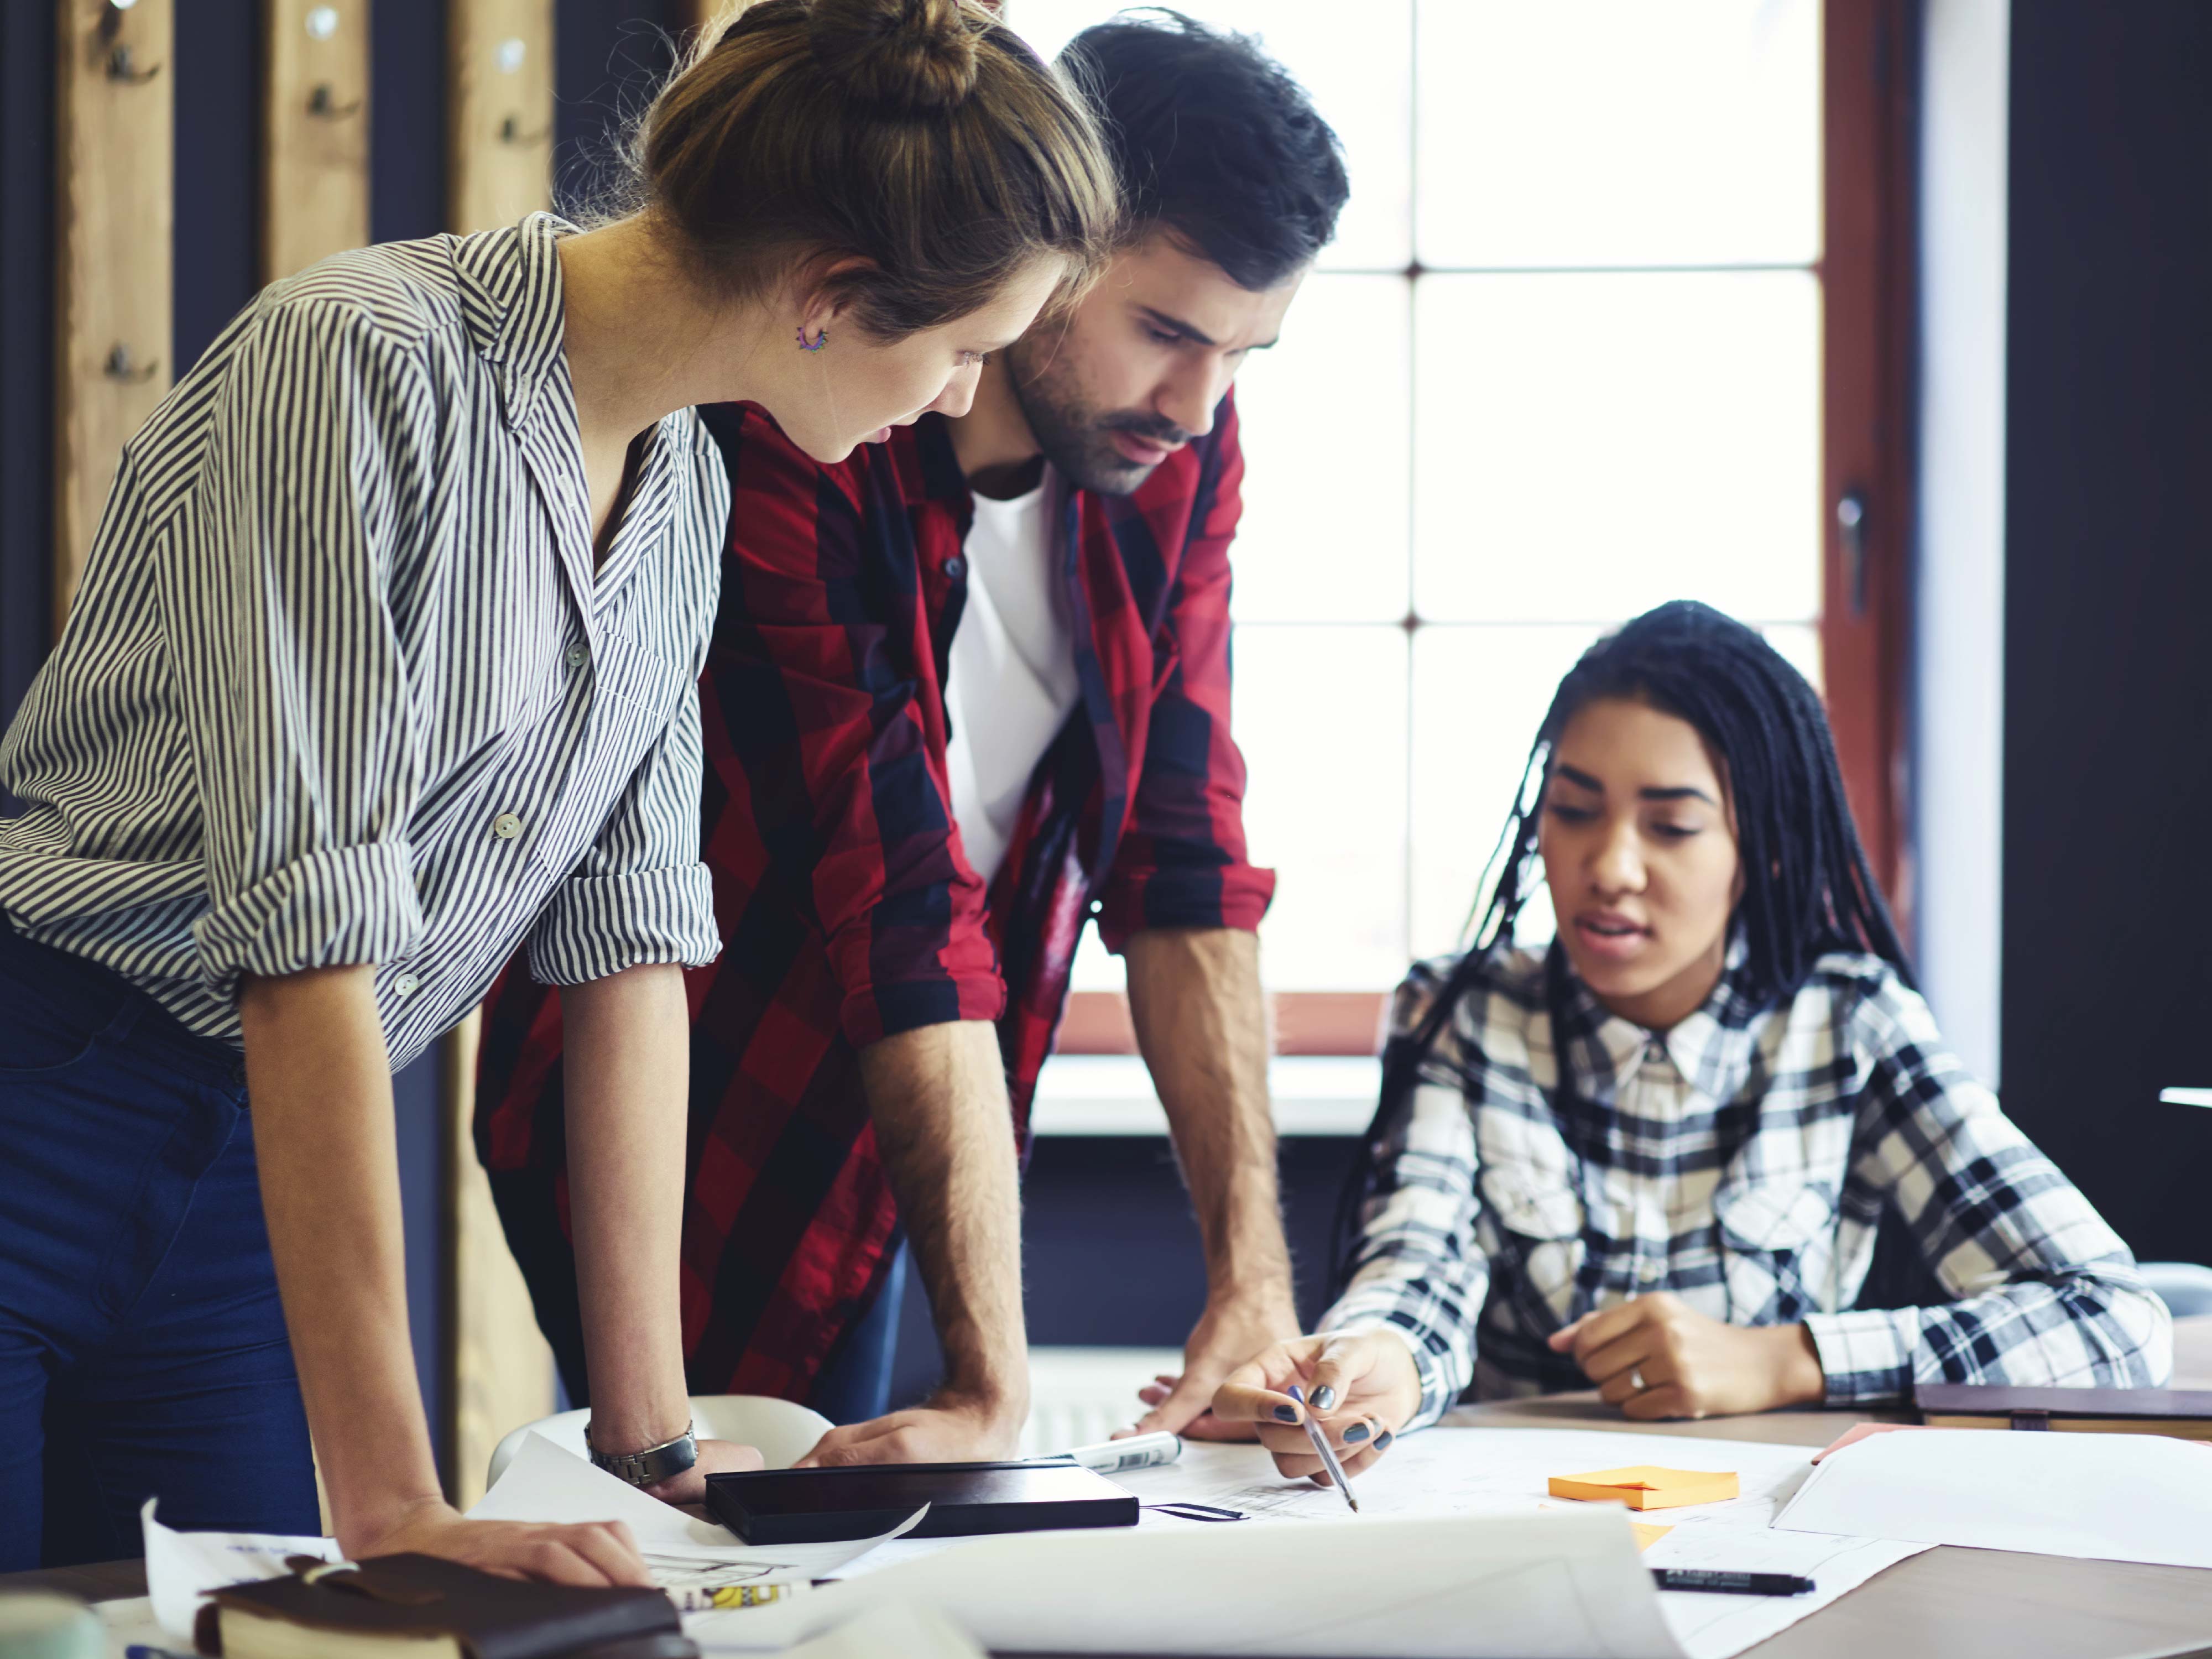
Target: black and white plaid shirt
point(1740, 1161)
point(344, 684)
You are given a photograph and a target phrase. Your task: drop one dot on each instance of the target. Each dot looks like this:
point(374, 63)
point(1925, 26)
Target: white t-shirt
point(1011, 685)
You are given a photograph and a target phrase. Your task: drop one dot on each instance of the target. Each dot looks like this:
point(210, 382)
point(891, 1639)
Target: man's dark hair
point(1214, 142)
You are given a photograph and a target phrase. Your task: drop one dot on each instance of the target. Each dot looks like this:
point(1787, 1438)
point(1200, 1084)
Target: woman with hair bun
point(384, 665)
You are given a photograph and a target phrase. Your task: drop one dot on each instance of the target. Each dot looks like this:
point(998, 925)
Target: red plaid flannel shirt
point(847, 908)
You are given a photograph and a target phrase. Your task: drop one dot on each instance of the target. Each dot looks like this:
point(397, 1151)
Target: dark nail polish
point(1383, 1440)
point(1356, 1433)
point(1288, 1413)
point(1324, 1397)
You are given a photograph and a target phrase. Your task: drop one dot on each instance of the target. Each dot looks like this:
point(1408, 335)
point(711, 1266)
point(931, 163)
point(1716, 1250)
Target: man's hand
point(1227, 1334)
point(1656, 1357)
point(715, 1458)
point(1362, 1386)
point(948, 1430)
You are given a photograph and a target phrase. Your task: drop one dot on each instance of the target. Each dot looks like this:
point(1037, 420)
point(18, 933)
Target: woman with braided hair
point(1652, 1157)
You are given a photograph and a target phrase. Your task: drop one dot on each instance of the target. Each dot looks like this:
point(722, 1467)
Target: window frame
point(1866, 278)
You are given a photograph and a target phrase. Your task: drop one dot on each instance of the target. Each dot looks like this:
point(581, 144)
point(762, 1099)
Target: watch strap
point(651, 1466)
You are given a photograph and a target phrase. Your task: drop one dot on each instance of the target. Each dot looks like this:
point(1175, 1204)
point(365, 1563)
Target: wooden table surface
point(1945, 1603)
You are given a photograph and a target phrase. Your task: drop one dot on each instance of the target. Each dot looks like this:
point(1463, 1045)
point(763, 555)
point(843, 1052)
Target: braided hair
point(1808, 888)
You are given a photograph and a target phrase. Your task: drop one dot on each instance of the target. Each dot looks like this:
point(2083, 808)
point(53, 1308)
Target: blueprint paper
point(183, 1568)
point(1439, 1472)
point(1566, 1585)
point(544, 1483)
point(2104, 1497)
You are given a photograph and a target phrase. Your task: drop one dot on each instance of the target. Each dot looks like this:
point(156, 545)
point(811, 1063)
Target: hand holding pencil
point(1356, 1388)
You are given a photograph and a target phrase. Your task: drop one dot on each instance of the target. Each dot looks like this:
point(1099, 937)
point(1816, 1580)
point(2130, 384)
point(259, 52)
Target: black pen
point(1731, 1584)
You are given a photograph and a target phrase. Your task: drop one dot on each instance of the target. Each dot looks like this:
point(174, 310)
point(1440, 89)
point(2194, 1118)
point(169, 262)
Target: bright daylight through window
point(1563, 362)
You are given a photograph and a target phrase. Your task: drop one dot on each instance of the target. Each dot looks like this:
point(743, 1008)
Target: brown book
point(418, 1606)
point(2183, 1413)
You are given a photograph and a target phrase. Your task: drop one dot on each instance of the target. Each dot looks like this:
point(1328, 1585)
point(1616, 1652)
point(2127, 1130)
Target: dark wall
point(2107, 964)
point(27, 328)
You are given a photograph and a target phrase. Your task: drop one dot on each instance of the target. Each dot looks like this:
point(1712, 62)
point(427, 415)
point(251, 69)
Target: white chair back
point(783, 1430)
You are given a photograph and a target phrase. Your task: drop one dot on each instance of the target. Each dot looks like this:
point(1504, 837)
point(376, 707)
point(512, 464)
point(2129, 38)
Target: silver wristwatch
point(654, 1464)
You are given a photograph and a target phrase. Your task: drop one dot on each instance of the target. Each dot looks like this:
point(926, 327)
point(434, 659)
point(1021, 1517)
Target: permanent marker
point(1731, 1584)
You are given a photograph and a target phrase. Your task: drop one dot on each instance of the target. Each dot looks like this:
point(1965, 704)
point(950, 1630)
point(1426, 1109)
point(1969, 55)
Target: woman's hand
point(715, 1458)
point(593, 1553)
point(1361, 1385)
point(1657, 1357)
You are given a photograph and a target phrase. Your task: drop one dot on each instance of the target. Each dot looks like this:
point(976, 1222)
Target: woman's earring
point(820, 339)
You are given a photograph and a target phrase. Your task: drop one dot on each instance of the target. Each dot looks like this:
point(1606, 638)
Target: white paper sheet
point(893, 1628)
point(1563, 1585)
point(2106, 1497)
point(544, 1483)
point(1503, 1472)
point(182, 1568)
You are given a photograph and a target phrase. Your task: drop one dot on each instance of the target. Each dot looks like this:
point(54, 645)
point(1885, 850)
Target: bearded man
point(969, 690)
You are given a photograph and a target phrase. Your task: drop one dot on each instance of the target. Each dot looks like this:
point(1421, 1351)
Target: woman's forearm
point(319, 1084)
point(627, 1065)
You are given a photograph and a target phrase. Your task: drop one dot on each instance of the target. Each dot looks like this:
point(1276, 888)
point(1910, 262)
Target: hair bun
point(911, 57)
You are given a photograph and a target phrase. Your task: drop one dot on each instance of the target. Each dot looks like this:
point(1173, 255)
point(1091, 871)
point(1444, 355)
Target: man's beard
point(1075, 438)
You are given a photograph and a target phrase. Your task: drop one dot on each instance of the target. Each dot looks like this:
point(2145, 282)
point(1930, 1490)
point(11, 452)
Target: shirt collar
point(1713, 1047)
point(511, 298)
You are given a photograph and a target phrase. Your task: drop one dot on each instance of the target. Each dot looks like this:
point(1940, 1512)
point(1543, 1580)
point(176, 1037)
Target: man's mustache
point(1149, 427)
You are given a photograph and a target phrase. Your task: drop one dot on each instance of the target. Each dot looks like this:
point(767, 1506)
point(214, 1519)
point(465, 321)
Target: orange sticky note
point(1646, 1534)
point(1647, 1487)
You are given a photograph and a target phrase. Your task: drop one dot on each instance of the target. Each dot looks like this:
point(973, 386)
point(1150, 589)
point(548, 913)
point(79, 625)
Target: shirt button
point(1655, 1049)
point(577, 656)
point(507, 826)
point(406, 985)
point(1648, 1270)
point(956, 566)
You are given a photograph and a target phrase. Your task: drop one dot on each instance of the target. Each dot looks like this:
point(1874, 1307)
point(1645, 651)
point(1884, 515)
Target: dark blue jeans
point(142, 1351)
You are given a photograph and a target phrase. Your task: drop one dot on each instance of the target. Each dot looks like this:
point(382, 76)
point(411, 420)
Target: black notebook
point(815, 1506)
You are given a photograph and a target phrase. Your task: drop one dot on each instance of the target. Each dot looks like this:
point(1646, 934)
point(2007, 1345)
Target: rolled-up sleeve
point(1415, 1266)
point(279, 620)
point(1182, 860)
point(640, 894)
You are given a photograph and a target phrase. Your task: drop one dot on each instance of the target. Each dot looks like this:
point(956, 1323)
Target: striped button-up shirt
point(1741, 1160)
point(344, 683)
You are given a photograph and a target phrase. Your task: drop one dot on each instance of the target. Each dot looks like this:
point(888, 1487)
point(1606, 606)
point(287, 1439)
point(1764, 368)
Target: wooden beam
point(115, 110)
point(314, 154)
point(499, 1369)
point(499, 112)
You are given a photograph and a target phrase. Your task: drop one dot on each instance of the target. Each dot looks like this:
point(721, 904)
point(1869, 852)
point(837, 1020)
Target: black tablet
point(814, 1506)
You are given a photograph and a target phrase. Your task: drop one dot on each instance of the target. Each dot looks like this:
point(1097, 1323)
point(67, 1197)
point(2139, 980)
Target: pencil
point(1321, 1450)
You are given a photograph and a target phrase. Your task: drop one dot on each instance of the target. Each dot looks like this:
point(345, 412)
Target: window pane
point(1587, 447)
point(1320, 716)
point(1326, 535)
point(1479, 696)
point(1359, 68)
point(1618, 133)
point(1800, 643)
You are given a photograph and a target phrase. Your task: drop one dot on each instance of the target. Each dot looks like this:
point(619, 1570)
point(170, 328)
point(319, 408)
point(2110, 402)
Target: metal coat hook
point(323, 104)
point(121, 68)
point(511, 132)
point(119, 366)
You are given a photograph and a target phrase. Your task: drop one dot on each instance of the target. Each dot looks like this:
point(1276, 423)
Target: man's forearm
point(627, 1072)
point(319, 1081)
point(938, 1096)
point(1194, 997)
